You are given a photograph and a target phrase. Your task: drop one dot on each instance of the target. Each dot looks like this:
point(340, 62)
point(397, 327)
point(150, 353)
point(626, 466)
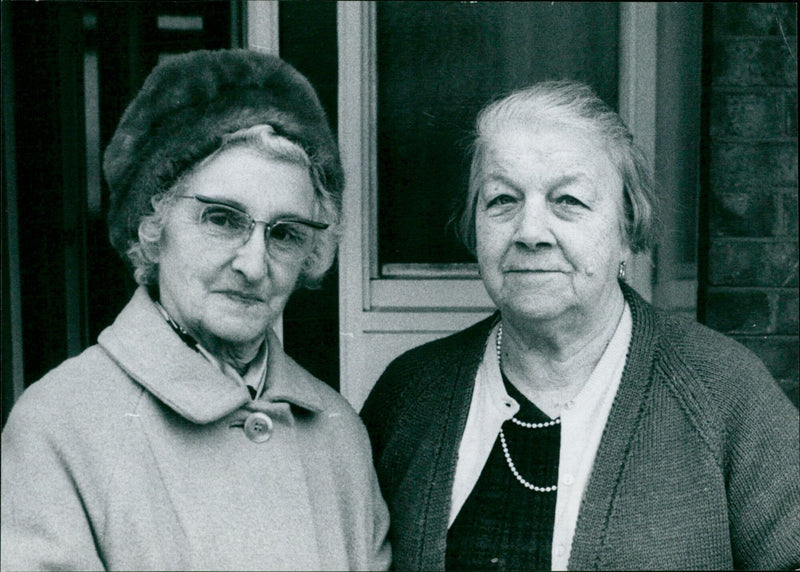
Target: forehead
point(254, 180)
point(546, 148)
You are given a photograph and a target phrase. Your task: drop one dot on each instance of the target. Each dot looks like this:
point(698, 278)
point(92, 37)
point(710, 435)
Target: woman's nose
point(533, 226)
point(251, 258)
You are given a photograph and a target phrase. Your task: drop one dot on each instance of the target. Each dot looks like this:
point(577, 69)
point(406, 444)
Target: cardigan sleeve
point(44, 523)
point(376, 410)
point(762, 469)
point(381, 555)
point(755, 435)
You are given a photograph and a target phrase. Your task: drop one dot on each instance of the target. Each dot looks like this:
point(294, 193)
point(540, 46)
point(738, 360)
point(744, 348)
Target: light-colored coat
point(133, 456)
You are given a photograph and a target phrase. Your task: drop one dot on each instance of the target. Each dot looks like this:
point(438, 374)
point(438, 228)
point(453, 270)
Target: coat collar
point(142, 343)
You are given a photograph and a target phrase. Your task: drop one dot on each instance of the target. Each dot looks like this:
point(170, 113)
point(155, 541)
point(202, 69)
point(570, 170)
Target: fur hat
point(187, 104)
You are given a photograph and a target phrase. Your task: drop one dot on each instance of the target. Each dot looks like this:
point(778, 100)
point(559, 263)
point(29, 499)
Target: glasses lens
point(289, 240)
point(224, 223)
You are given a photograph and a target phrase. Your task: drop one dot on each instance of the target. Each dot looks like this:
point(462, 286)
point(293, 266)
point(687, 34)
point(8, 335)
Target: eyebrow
point(234, 204)
point(562, 181)
point(566, 180)
point(497, 176)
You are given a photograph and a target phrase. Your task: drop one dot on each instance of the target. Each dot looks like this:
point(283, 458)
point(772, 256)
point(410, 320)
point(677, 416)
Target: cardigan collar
point(143, 344)
point(621, 429)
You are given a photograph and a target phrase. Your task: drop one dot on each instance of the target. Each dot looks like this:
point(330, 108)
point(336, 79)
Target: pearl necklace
point(509, 461)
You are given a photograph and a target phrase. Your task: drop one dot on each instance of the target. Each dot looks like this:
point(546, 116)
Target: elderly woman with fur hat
point(186, 438)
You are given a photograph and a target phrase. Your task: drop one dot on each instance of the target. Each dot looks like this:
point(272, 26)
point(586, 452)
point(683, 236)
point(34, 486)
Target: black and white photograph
point(399, 285)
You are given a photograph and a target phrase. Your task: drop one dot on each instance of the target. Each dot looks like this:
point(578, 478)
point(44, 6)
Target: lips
point(246, 297)
point(534, 265)
point(532, 270)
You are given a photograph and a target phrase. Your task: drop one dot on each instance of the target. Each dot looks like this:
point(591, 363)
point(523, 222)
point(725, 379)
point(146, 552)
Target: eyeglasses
point(286, 239)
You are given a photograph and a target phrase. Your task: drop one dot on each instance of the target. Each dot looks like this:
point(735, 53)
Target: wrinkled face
point(548, 223)
point(224, 294)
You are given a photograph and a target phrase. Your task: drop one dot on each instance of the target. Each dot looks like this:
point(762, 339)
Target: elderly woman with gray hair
point(578, 427)
point(186, 438)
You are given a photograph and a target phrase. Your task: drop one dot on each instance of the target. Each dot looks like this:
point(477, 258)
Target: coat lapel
point(142, 343)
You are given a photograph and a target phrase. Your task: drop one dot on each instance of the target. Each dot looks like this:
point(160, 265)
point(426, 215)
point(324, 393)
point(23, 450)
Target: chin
point(534, 308)
point(238, 331)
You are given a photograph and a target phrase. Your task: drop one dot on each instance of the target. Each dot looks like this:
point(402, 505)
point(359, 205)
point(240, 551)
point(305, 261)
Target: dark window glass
point(311, 318)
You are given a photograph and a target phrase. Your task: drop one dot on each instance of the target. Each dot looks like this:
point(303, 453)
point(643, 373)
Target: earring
point(621, 271)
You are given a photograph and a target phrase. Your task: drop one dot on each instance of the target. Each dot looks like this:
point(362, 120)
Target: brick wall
point(750, 289)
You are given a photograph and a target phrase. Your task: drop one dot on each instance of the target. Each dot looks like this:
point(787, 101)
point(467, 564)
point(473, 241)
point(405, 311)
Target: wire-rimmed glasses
point(287, 240)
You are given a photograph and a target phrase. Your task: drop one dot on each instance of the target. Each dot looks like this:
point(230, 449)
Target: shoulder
point(721, 386)
point(335, 414)
point(454, 351)
point(91, 377)
point(335, 404)
point(422, 378)
point(751, 428)
point(84, 392)
point(684, 347)
point(714, 358)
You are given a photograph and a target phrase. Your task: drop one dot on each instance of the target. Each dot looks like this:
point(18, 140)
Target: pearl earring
point(621, 271)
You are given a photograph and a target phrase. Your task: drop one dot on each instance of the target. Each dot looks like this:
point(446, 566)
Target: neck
point(556, 358)
point(238, 356)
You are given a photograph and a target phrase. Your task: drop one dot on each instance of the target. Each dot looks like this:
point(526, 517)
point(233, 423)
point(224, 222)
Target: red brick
point(738, 312)
point(792, 390)
point(749, 263)
point(779, 354)
point(789, 218)
point(755, 19)
point(786, 314)
point(753, 62)
point(753, 166)
point(743, 214)
point(748, 115)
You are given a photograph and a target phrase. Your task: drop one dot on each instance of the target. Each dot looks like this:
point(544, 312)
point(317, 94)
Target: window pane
point(311, 317)
point(438, 64)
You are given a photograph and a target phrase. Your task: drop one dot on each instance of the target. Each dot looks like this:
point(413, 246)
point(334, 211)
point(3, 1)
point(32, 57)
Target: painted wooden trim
point(355, 113)
point(467, 270)
point(438, 323)
point(262, 26)
point(430, 295)
point(637, 103)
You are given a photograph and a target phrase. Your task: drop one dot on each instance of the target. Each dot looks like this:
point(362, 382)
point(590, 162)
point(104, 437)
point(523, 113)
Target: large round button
point(258, 427)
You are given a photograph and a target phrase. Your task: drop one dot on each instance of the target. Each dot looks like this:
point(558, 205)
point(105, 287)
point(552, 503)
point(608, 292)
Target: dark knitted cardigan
point(697, 468)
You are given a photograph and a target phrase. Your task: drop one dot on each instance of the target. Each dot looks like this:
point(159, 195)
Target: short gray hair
point(576, 104)
point(264, 140)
